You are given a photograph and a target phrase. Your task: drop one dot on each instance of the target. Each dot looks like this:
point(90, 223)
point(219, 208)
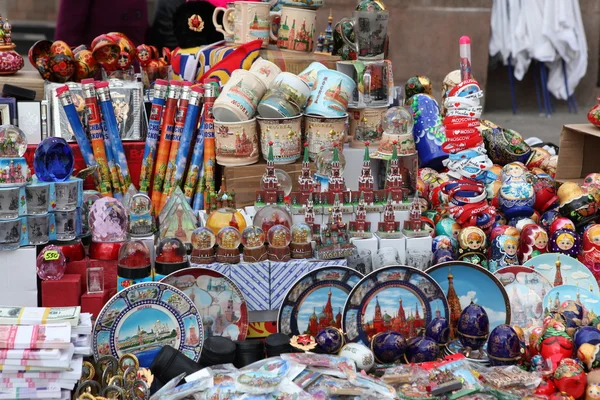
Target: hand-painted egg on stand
point(329, 340)
point(570, 378)
point(439, 330)
point(504, 346)
point(360, 354)
point(388, 347)
point(473, 328)
point(421, 349)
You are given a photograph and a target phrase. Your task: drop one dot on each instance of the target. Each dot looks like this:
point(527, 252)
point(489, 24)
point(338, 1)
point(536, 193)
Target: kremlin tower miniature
point(366, 182)
point(389, 228)
point(393, 180)
point(334, 241)
point(271, 193)
point(414, 226)
point(360, 227)
point(306, 184)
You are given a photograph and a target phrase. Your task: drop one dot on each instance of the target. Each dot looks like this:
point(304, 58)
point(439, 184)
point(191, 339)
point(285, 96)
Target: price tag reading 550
point(51, 255)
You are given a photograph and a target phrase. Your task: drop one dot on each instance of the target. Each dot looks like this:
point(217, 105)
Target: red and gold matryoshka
point(590, 256)
point(144, 54)
point(534, 241)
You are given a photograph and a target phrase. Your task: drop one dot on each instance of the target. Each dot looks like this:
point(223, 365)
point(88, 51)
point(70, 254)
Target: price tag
point(51, 255)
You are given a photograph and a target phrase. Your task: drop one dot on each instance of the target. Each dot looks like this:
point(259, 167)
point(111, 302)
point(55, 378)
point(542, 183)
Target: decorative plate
point(472, 283)
point(397, 298)
point(559, 294)
point(526, 289)
point(572, 271)
point(316, 300)
point(219, 301)
point(143, 318)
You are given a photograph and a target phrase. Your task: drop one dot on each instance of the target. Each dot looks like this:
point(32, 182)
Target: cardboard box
point(93, 302)
point(18, 286)
point(579, 148)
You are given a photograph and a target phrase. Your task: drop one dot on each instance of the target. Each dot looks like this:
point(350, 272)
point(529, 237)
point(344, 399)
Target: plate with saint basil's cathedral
point(316, 300)
point(395, 298)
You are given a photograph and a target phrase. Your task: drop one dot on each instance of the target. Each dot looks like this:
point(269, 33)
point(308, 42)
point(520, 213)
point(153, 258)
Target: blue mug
point(331, 94)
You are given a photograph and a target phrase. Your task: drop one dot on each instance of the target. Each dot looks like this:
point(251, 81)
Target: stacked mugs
point(280, 99)
point(297, 27)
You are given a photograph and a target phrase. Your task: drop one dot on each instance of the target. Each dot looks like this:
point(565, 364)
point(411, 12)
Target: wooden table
point(26, 79)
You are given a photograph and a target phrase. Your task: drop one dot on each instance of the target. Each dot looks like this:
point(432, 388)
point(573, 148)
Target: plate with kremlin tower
point(395, 298)
point(463, 283)
point(316, 300)
point(561, 269)
point(219, 301)
point(143, 318)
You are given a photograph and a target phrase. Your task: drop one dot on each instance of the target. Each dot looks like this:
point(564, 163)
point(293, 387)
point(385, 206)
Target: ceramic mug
point(366, 125)
point(252, 21)
point(236, 143)
point(228, 21)
point(297, 29)
point(323, 132)
point(309, 75)
point(286, 97)
point(286, 136)
point(266, 71)
point(331, 94)
point(370, 33)
point(239, 98)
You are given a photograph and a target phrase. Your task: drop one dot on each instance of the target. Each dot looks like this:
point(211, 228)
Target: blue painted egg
point(388, 347)
point(330, 340)
point(439, 330)
point(473, 327)
point(586, 334)
point(421, 349)
point(504, 346)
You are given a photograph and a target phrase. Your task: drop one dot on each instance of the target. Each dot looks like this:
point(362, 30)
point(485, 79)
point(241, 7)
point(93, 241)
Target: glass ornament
point(141, 221)
point(89, 198)
point(283, 179)
point(108, 220)
point(223, 217)
point(51, 263)
point(177, 219)
point(279, 236)
point(272, 215)
point(13, 142)
point(134, 254)
point(229, 238)
point(203, 238)
point(253, 237)
point(301, 233)
point(53, 160)
point(171, 250)
point(324, 160)
point(398, 121)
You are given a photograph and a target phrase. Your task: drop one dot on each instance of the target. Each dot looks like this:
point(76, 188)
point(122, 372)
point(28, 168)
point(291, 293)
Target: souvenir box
point(382, 82)
point(578, 157)
point(128, 102)
point(18, 286)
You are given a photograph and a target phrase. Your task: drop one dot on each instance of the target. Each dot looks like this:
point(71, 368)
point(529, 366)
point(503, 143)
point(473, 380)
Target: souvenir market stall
point(272, 216)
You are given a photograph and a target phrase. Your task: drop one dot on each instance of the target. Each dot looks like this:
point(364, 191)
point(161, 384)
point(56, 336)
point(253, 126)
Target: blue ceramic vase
point(388, 347)
point(504, 346)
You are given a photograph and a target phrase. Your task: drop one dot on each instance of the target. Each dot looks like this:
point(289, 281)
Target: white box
point(398, 244)
point(18, 286)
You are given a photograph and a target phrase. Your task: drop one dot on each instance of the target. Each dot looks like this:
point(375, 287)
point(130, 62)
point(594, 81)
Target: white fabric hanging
point(563, 27)
point(521, 40)
point(541, 48)
point(500, 30)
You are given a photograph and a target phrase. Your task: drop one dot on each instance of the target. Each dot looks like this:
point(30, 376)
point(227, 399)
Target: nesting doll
point(555, 343)
point(561, 223)
point(566, 242)
point(548, 218)
point(545, 192)
point(444, 226)
point(576, 204)
point(504, 250)
point(590, 255)
point(516, 197)
point(533, 242)
point(471, 246)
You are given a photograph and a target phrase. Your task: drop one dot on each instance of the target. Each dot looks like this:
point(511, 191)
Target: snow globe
point(171, 256)
point(397, 127)
point(301, 246)
point(253, 239)
point(228, 241)
point(53, 160)
point(323, 166)
point(108, 223)
point(223, 217)
point(14, 170)
point(141, 221)
point(89, 198)
point(51, 263)
point(284, 181)
point(279, 237)
point(203, 243)
point(272, 215)
point(133, 265)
